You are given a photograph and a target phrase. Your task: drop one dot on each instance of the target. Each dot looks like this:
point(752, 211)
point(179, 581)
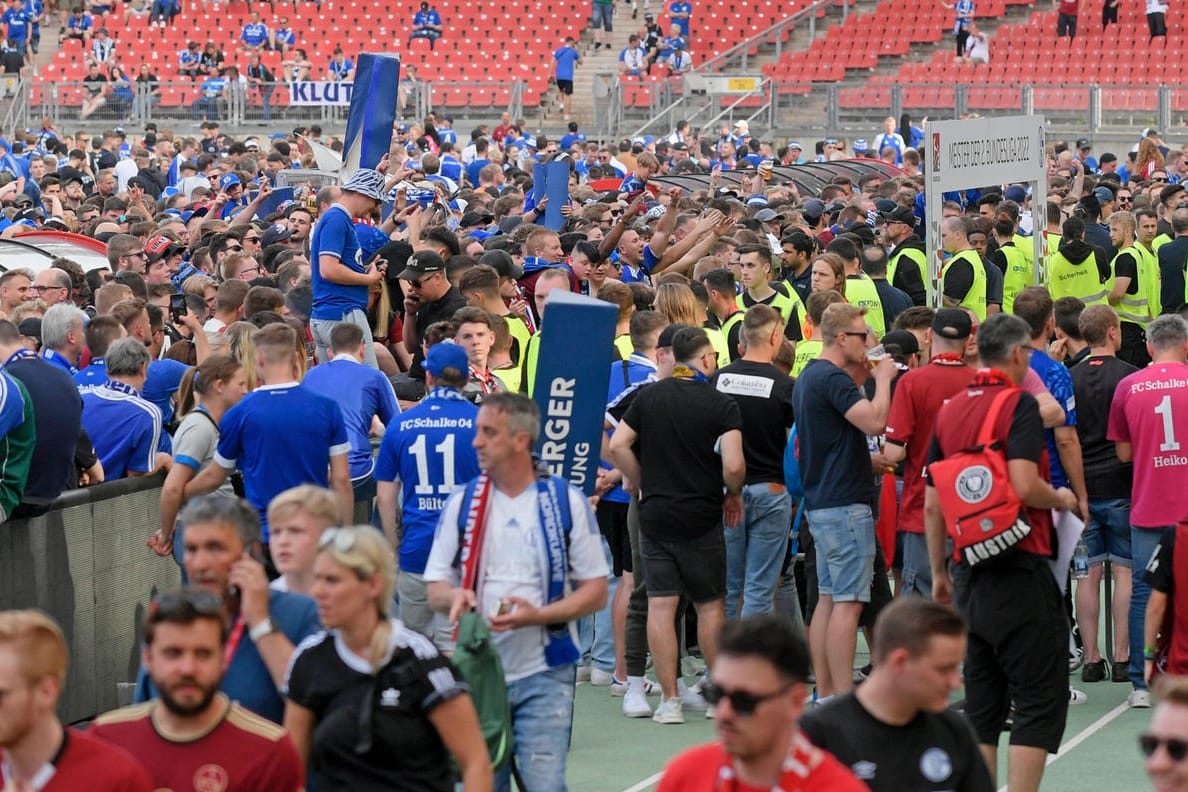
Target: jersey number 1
point(419, 450)
point(1164, 411)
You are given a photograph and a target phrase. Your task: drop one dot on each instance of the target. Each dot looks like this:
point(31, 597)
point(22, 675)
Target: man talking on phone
point(340, 281)
point(222, 556)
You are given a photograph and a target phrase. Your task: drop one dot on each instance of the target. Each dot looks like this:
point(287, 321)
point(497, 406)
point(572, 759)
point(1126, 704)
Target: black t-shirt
point(681, 420)
point(834, 457)
point(764, 397)
point(1126, 266)
point(1160, 572)
point(406, 752)
point(440, 310)
point(935, 751)
point(57, 416)
point(792, 330)
point(958, 279)
point(1094, 380)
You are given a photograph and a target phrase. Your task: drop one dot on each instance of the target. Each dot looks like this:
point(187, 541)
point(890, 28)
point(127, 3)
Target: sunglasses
point(184, 605)
point(853, 334)
point(235, 249)
point(1176, 749)
point(251, 239)
point(420, 284)
point(343, 539)
point(742, 702)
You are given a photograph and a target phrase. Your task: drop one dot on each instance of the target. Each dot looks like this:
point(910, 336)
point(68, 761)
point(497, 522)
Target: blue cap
point(278, 136)
point(1104, 195)
point(366, 181)
point(795, 145)
point(228, 181)
point(860, 145)
point(446, 354)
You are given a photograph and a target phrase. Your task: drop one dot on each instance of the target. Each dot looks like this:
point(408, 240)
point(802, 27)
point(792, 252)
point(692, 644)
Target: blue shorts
point(602, 15)
point(845, 542)
point(1108, 533)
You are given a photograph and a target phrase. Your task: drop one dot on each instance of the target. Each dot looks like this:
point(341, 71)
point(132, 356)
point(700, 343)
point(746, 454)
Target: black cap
point(900, 214)
point(476, 218)
point(424, 262)
point(30, 327)
point(1083, 143)
point(952, 323)
point(906, 341)
point(669, 333)
point(502, 262)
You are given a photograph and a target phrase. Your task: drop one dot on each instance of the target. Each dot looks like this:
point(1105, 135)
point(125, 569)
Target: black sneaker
point(1093, 672)
point(1120, 672)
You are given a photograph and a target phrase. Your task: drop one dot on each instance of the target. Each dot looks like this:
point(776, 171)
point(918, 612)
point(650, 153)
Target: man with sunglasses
point(429, 297)
point(192, 735)
point(758, 690)
point(1165, 745)
point(895, 730)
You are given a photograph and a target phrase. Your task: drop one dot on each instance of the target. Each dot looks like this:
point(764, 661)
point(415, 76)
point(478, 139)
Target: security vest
point(1052, 240)
point(915, 255)
point(806, 352)
point(718, 342)
point(1026, 245)
point(1159, 242)
point(975, 298)
point(520, 335)
point(861, 291)
point(786, 301)
point(1082, 281)
point(1137, 308)
point(727, 328)
point(528, 364)
point(1018, 276)
point(624, 345)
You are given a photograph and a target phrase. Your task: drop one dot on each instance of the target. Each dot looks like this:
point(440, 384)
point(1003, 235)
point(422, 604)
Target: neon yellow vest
point(1082, 281)
point(520, 335)
point(806, 352)
point(786, 301)
point(510, 377)
point(911, 254)
point(1019, 275)
point(718, 342)
point(975, 298)
point(528, 364)
point(728, 326)
point(861, 291)
point(624, 345)
point(1026, 245)
point(1137, 308)
point(1159, 242)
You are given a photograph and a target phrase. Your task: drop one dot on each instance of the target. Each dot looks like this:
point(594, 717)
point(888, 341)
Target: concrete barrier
point(85, 563)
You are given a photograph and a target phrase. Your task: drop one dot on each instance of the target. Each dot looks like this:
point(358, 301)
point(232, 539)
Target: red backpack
point(983, 514)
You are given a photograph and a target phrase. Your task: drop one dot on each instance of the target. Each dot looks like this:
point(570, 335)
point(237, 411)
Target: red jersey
point(919, 395)
point(88, 763)
point(807, 769)
point(1068, 7)
point(1150, 411)
point(243, 753)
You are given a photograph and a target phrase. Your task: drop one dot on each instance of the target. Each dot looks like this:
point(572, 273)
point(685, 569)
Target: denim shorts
point(1107, 534)
point(845, 542)
point(602, 15)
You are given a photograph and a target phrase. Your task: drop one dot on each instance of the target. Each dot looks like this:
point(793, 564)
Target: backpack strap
point(986, 433)
point(626, 376)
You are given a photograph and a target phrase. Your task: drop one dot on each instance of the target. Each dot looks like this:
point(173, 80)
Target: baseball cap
point(502, 262)
point(952, 323)
point(421, 263)
point(900, 214)
point(669, 333)
point(161, 246)
point(229, 181)
point(860, 145)
point(366, 181)
point(1083, 143)
point(742, 126)
point(795, 145)
point(273, 234)
point(766, 215)
point(906, 341)
point(1104, 195)
point(1016, 193)
point(813, 209)
point(884, 205)
point(251, 142)
point(446, 354)
point(30, 327)
point(476, 218)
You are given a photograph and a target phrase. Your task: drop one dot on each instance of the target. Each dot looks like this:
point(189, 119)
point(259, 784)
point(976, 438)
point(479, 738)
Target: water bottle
point(1080, 561)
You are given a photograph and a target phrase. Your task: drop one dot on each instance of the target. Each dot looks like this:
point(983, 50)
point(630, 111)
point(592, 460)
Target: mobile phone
point(177, 307)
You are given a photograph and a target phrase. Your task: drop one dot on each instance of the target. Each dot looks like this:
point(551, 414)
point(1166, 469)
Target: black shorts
point(565, 86)
point(612, 521)
point(1017, 651)
point(695, 568)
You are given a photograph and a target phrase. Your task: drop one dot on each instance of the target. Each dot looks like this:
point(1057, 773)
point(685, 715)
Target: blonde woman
point(296, 519)
point(243, 349)
point(372, 704)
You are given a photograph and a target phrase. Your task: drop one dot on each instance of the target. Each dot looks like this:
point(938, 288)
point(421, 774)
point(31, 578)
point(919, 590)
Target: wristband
point(1148, 652)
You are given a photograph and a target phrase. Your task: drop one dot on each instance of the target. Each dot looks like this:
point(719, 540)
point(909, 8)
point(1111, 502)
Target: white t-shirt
point(978, 48)
point(513, 564)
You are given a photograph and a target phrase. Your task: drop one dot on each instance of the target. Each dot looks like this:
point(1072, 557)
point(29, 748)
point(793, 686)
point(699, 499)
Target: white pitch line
point(1083, 735)
point(647, 783)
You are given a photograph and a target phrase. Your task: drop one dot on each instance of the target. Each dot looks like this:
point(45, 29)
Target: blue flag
point(571, 384)
point(552, 180)
point(372, 113)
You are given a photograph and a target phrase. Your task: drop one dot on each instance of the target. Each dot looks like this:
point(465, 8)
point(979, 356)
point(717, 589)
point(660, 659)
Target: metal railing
point(16, 95)
point(736, 58)
point(700, 101)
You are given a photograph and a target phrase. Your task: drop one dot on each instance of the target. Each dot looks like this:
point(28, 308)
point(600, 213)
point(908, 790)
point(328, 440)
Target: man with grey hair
point(125, 428)
point(52, 285)
point(126, 252)
point(1173, 259)
point(1018, 632)
point(62, 335)
point(1149, 408)
point(221, 536)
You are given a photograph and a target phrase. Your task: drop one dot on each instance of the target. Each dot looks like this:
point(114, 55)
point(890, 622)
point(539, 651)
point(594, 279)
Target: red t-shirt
point(1150, 411)
point(708, 769)
point(919, 395)
point(1068, 7)
point(88, 763)
point(243, 753)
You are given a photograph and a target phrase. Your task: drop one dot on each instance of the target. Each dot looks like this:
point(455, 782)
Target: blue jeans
point(917, 567)
point(1143, 542)
point(755, 550)
point(597, 631)
point(542, 721)
point(845, 541)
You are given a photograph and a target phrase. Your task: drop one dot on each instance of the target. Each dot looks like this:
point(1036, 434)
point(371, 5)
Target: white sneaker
point(1139, 699)
point(635, 702)
point(600, 678)
point(583, 674)
point(691, 698)
point(669, 711)
point(1076, 696)
point(618, 688)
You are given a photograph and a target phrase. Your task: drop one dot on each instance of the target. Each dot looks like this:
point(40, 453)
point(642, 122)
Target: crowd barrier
point(85, 563)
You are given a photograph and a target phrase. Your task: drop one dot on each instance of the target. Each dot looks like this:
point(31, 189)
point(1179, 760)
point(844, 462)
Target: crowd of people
point(799, 424)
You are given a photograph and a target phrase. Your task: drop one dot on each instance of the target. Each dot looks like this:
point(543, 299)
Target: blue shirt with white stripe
point(124, 428)
point(362, 393)
point(281, 436)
